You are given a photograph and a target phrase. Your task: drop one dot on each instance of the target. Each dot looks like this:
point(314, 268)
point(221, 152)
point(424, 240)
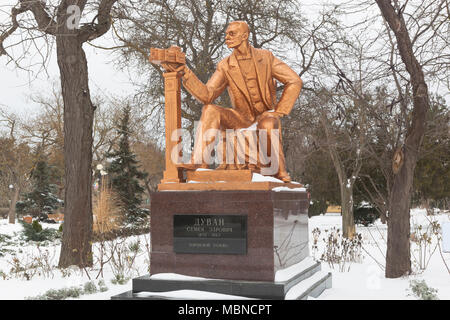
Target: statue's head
point(236, 34)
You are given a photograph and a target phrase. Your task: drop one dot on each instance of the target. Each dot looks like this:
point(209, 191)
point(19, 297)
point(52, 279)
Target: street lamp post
point(100, 173)
point(11, 215)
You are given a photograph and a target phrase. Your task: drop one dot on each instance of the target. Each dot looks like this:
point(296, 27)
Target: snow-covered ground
point(363, 279)
point(16, 253)
point(366, 280)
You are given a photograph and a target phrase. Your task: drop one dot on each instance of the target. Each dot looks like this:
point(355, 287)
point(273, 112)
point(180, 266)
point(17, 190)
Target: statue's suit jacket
point(228, 75)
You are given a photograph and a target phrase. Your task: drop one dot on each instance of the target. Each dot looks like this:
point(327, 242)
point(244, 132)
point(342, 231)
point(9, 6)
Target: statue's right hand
point(181, 70)
point(170, 67)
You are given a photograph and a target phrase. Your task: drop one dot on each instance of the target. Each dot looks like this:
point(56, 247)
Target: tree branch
point(45, 22)
point(93, 31)
point(43, 19)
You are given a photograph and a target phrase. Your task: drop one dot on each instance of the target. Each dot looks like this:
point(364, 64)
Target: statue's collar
point(246, 57)
point(251, 53)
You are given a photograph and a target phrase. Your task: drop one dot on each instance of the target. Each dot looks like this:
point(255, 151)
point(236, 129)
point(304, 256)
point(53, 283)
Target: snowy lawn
point(28, 269)
point(365, 280)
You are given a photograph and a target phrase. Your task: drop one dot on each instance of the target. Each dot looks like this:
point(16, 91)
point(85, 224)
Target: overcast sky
point(16, 85)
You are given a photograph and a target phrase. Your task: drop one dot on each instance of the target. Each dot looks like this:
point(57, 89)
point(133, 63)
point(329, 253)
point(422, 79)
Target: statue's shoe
point(192, 166)
point(222, 166)
point(284, 176)
point(254, 168)
point(225, 166)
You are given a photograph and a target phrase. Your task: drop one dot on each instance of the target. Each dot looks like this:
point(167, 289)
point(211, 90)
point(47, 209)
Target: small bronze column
point(172, 90)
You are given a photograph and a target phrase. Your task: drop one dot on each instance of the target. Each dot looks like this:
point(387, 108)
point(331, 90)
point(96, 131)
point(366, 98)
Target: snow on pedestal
point(260, 178)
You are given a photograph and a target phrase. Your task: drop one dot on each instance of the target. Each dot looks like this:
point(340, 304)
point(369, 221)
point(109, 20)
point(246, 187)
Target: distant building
point(333, 211)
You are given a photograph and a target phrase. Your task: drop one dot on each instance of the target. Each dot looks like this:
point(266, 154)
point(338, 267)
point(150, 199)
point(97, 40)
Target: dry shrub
point(4, 212)
point(107, 210)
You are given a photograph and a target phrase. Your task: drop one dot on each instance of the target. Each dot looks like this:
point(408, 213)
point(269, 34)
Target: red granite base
point(260, 207)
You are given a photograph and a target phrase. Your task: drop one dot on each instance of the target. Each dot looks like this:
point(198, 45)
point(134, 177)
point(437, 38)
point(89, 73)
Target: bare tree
point(61, 20)
point(16, 162)
point(331, 114)
point(151, 160)
point(398, 257)
point(337, 125)
point(392, 70)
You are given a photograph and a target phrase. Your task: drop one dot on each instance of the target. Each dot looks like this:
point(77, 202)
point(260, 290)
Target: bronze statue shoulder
point(223, 63)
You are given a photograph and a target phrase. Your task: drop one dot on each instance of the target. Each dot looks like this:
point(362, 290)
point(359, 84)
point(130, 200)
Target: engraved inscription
point(218, 234)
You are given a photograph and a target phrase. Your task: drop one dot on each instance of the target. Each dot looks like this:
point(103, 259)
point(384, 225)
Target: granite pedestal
point(273, 228)
point(230, 242)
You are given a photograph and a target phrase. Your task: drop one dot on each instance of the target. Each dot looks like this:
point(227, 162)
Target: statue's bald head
point(237, 33)
point(242, 25)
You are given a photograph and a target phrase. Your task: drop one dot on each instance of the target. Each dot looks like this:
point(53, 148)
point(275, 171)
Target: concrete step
point(177, 295)
point(299, 281)
point(310, 287)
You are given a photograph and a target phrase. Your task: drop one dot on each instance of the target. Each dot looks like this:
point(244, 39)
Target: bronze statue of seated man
point(250, 76)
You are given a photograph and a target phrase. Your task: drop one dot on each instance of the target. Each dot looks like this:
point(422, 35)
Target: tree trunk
point(348, 221)
point(429, 209)
point(76, 248)
point(345, 184)
point(398, 256)
point(12, 207)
